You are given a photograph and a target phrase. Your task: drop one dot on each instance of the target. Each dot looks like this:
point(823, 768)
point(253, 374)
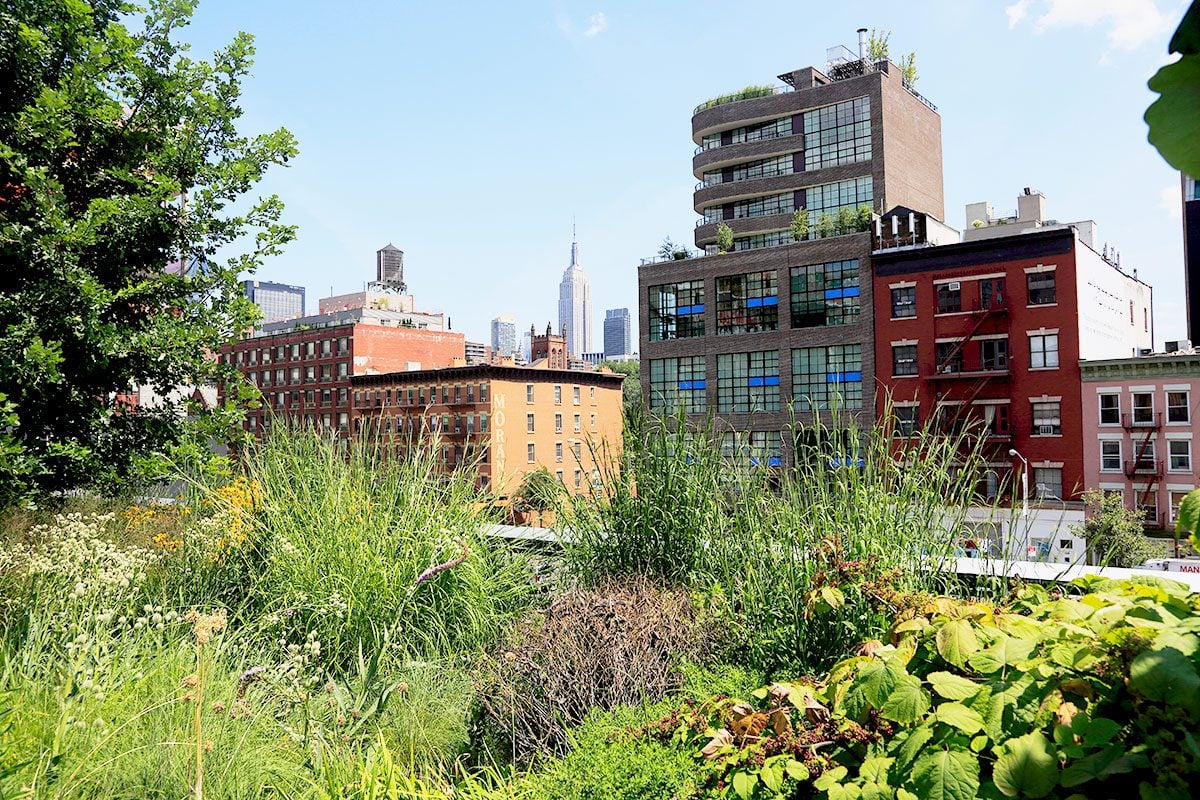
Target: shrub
point(1045, 696)
point(618, 644)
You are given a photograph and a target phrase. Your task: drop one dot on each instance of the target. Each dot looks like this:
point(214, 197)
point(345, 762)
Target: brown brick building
point(514, 419)
point(779, 324)
point(304, 374)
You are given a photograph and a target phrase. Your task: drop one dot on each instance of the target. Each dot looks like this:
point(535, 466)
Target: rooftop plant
point(746, 93)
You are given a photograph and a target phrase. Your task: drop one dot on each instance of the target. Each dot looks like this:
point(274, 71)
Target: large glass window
point(762, 131)
point(1047, 483)
point(1041, 288)
point(949, 297)
point(832, 197)
point(1047, 419)
point(1043, 351)
point(904, 359)
point(767, 168)
point(678, 384)
point(767, 206)
point(825, 294)
point(1110, 409)
point(838, 134)
point(1179, 455)
point(677, 310)
point(908, 420)
point(827, 376)
point(993, 354)
point(904, 302)
point(759, 240)
point(747, 303)
point(748, 382)
point(760, 448)
point(949, 357)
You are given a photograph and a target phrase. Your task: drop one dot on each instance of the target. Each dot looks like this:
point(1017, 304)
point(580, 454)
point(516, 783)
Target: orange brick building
point(514, 419)
point(304, 374)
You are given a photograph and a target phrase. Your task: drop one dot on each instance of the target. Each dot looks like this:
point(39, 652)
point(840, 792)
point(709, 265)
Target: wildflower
point(205, 625)
point(218, 707)
point(191, 680)
point(248, 677)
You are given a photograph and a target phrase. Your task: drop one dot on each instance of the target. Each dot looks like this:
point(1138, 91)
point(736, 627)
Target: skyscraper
point(277, 301)
point(575, 307)
point(504, 336)
point(389, 267)
point(617, 335)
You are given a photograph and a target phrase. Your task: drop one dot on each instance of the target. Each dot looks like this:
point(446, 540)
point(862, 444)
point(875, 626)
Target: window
point(949, 357)
point(832, 198)
point(1147, 503)
point(904, 359)
point(824, 377)
point(1177, 407)
point(766, 168)
point(578, 478)
point(1143, 408)
point(747, 303)
point(1179, 455)
point(825, 294)
point(577, 449)
point(592, 393)
point(483, 392)
point(1047, 419)
point(765, 206)
point(1110, 456)
point(760, 131)
point(295, 375)
point(558, 451)
point(908, 420)
point(1110, 409)
point(1041, 288)
point(326, 346)
point(310, 349)
point(558, 395)
point(678, 384)
point(529, 393)
point(575, 395)
point(559, 475)
point(837, 134)
point(578, 424)
point(1176, 501)
point(904, 302)
point(529, 453)
point(748, 382)
point(1144, 460)
point(1043, 351)
point(677, 310)
point(1048, 483)
point(995, 419)
point(759, 448)
point(558, 423)
point(593, 422)
point(343, 369)
point(949, 297)
point(529, 423)
point(993, 355)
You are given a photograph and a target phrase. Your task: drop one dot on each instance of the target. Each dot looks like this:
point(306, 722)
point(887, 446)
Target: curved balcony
point(733, 191)
point(731, 154)
point(743, 112)
point(744, 226)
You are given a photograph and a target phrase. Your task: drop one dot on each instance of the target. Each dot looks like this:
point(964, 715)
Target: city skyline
point(578, 94)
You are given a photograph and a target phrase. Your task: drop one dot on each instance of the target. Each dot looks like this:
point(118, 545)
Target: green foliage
point(1174, 118)
point(1189, 517)
point(1114, 534)
point(631, 387)
point(539, 491)
point(908, 69)
point(747, 93)
point(877, 45)
point(724, 238)
point(800, 224)
point(1048, 696)
point(669, 251)
point(120, 159)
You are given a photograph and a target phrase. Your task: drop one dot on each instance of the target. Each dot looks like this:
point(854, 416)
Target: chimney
point(862, 43)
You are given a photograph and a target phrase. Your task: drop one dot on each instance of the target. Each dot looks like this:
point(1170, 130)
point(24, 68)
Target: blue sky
point(470, 134)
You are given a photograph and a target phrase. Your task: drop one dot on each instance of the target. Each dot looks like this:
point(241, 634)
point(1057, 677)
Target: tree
point(908, 69)
point(1174, 118)
point(800, 224)
point(724, 238)
point(122, 177)
point(1113, 533)
point(631, 388)
point(877, 45)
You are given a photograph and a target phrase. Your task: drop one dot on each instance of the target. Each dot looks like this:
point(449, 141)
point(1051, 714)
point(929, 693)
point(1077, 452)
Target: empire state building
point(575, 307)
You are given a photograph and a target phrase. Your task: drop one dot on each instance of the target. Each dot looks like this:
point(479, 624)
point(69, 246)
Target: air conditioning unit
point(1145, 351)
point(1045, 430)
point(953, 286)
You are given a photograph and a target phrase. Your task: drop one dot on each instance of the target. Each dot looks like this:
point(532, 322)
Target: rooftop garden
point(746, 93)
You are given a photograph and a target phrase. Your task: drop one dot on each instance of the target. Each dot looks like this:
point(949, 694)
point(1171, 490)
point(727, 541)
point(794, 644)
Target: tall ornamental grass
point(790, 559)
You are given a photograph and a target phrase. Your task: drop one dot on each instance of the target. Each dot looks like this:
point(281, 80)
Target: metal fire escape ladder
point(1152, 478)
point(986, 314)
point(972, 394)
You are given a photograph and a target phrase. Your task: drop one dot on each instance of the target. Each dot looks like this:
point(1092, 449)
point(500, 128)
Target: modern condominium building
point(783, 322)
point(277, 301)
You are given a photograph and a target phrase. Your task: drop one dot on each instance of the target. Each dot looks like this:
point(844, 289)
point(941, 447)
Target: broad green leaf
point(1112, 760)
point(959, 716)
point(743, 784)
point(913, 746)
point(1186, 643)
point(907, 703)
point(771, 776)
point(1165, 675)
point(1027, 768)
point(946, 775)
point(1188, 520)
point(1006, 651)
point(905, 794)
point(956, 640)
point(831, 777)
point(796, 771)
point(1186, 39)
point(875, 770)
point(876, 682)
point(951, 686)
point(847, 791)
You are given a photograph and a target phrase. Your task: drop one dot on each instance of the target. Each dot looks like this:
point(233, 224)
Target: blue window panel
point(772, 300)
point(842, 377)
point(754, 302)
point(850, 292)
point(770, 380)
point(845, 462)
point(685, 310)
point(691, 385)
point(837, 294)
point(774, 461)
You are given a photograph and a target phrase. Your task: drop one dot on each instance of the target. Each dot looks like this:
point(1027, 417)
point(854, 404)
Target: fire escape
point(1145, 465)
point(964, 386)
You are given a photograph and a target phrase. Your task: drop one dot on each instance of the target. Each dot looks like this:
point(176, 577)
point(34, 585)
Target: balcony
point(957, 370)
point(1142, 420)
point(1144, 468)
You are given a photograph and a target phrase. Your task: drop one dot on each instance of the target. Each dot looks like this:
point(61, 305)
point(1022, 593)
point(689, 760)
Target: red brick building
point(992, 329)
point(304, 375)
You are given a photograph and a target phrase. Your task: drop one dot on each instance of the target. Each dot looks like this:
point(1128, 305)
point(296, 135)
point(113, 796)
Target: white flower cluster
point(72, 550)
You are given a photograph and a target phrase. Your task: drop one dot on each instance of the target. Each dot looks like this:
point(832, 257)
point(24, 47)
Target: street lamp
point(1012, 451)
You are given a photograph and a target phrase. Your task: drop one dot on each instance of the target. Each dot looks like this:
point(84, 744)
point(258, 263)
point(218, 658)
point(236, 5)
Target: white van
point(1174, 564)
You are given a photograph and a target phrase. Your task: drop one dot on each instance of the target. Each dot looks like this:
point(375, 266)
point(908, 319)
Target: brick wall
point(380, 349)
